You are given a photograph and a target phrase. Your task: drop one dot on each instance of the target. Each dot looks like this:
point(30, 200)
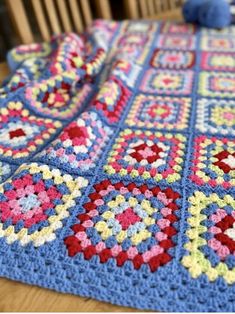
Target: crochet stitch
point(117, 165)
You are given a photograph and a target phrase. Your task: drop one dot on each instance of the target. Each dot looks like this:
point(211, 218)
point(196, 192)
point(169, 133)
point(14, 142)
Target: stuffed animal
point(208, 13)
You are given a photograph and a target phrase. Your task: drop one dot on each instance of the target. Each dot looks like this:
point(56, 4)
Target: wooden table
point(18, 297)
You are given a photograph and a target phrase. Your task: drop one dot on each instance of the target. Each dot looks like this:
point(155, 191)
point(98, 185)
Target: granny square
point(139, 27)
point(134, 38)
point(80, 146)
point(177, 28)
point(127, 222)
point(213, 161)
point(67, 56)
point(34, 202)
point(57, 97)
point(176, 41)
point(217, 84)
point(34, 50)
point(112, 99)
point(148, 111)
point(167, 82)
point(218, 43)
point(210, 236)
point(216, 116)
point(22, 133)
point(218, 61)
point(147, 155)
point(172, 59)
point(138, 54)
point(29, 71)
point(133, 42)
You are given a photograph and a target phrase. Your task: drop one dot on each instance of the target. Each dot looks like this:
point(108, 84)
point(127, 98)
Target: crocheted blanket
point(117, 163)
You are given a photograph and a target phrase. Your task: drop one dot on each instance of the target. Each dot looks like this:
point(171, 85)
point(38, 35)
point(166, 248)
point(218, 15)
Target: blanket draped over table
point(117, 165)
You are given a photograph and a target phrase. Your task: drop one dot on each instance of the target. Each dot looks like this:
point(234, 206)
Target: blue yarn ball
point(215, 14)
point(191, 10)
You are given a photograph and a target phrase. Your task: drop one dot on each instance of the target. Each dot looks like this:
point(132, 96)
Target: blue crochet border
point(170, 288)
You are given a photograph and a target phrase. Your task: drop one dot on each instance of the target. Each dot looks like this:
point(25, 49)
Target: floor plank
point(18, 297)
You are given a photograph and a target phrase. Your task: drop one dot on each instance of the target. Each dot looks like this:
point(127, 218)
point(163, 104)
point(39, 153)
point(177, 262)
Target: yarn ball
point(191, 10)
point(215, 14)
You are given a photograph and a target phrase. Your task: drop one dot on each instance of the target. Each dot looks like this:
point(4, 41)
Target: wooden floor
point(18, 297)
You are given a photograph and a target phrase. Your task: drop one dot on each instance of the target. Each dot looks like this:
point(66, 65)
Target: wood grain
point(4, 71)
point(17, 12)
point(18, 297)
point(41, 19)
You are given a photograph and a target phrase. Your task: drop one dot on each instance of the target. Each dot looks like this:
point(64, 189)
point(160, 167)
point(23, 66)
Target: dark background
point(8, 34)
